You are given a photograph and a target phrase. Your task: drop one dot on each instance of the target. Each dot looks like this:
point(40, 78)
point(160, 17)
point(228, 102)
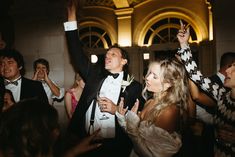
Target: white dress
point(148, 140)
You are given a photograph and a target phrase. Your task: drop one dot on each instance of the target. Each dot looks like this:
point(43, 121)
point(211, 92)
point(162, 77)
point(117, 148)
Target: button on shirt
point(111, 89)
point(15, 89)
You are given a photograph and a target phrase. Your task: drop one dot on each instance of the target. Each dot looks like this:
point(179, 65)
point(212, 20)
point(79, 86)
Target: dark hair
point(124, 56)
point(16, 55)
point(26, 128)
point(41, 61)
point(227, 59)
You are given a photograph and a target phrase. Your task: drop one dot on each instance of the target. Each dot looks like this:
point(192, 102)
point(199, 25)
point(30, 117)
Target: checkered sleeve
point(195, 74)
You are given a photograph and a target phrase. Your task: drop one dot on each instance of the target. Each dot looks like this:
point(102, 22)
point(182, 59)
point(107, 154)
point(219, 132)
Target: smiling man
point(107, 80)
point(12, 70)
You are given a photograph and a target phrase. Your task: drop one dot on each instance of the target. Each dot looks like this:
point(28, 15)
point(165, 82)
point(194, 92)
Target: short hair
point(124, 56)
point(41, 61)
point(227, 59)
point(17, 56)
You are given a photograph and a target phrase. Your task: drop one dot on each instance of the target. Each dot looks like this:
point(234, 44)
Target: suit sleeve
point(77, 56)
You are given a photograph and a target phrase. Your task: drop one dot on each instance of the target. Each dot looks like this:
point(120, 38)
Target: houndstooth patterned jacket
point(225, 110)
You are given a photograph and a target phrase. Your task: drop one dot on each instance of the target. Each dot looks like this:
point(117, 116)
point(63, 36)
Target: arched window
point(165, 31)
point(94, 37)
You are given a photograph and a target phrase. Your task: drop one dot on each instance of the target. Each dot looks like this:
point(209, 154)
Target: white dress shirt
point(50, 95)
point(111, 89)
point(16, 90)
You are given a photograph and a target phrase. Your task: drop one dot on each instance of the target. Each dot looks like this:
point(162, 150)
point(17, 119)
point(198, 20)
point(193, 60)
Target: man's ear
point(124, 62)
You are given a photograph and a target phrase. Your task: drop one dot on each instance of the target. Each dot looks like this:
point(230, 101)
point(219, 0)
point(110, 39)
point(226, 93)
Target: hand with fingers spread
point(183, 35)
point(122, 110)
point(135, 107)
point(35, 76)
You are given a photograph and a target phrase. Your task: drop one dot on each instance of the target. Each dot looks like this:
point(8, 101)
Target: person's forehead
point(4, 58)
point(40, 65)
point(155, 68)
point(114, 50)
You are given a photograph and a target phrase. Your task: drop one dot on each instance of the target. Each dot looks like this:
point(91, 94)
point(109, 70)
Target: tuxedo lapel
point(123, 93)
point(95, 90)
point(22, 90)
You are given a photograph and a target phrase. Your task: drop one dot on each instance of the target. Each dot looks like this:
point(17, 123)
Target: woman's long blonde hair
point(173, 73)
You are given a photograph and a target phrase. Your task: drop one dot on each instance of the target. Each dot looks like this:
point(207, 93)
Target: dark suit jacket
point(32, 89)
point(2, 91)
point(93, 76)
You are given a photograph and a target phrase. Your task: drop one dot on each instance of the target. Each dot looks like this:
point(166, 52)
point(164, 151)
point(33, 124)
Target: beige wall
point(224, 27)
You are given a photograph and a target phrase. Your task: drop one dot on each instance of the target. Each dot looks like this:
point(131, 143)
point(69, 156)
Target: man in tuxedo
point(88, 115)
point(12, 70)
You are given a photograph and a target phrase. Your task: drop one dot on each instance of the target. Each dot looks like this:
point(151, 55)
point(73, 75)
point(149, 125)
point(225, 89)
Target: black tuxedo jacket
point(32, 89)
point(93, 76)
point(2, 91)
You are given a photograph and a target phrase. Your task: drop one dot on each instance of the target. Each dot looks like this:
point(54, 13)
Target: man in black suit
point(12, 70)
point(88, 116)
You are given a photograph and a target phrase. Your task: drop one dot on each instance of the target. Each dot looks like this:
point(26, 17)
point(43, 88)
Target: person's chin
point(107, 67)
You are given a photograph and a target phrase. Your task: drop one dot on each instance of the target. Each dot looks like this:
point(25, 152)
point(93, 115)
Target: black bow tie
point(9, 82)
point(115, 75)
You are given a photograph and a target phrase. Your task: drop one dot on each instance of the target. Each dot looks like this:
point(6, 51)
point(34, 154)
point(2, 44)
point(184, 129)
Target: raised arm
point(71, 8)
point(199, 96)
point(186, 57)
point(78, 58)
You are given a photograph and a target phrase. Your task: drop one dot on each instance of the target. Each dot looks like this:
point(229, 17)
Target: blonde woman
point(73, 95)
point(155, 131)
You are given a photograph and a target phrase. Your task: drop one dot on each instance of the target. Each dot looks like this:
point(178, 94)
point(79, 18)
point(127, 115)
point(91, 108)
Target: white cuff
point(70, 26)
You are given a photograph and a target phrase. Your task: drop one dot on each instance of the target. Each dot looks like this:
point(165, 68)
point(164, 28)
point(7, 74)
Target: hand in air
point(120, 109)
point(183, 34)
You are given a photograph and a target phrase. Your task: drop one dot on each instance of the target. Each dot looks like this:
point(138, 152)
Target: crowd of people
point(109, 112)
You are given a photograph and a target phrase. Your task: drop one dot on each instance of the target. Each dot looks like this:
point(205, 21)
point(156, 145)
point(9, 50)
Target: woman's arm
point(199, 96)
point(68, 104)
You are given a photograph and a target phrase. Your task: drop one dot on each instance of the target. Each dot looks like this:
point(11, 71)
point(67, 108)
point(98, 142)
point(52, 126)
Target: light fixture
point(94, 58)
point(146, 56)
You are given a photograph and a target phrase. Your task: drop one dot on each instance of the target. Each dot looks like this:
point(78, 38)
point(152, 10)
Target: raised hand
point(46, 78)
point(183, 35)
point(72, 6)
point(120, 109)
point(35, 76)
point(135, 107)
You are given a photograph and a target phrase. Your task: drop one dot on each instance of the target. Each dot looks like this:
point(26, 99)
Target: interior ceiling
point(112, 3)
